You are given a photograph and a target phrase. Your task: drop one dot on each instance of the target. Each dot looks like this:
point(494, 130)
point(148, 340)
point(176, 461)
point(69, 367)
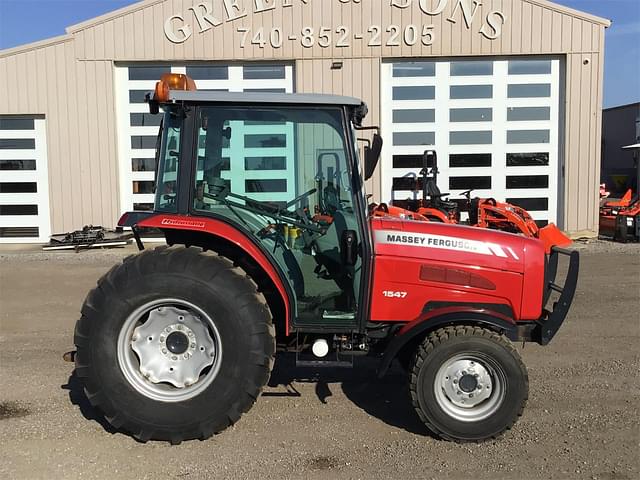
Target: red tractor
point(483, 212)
point(272, 247)
point(620, 219)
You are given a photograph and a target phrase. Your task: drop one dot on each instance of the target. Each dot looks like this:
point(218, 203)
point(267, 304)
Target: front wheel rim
point(470, 387)
point(169, 350)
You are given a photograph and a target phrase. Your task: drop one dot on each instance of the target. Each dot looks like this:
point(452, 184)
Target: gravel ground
point(581, 421)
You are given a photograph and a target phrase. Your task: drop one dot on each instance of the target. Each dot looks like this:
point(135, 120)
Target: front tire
point(468, 384)
point(174, 344)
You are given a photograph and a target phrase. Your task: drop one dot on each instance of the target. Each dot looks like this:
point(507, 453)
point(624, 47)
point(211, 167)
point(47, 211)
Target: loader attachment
point(551, 319)
point(552, 236)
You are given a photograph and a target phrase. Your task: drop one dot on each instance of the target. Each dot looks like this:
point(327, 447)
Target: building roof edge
point(626, 105)
point(571, 11)
point(35, 45)
point(111, 15)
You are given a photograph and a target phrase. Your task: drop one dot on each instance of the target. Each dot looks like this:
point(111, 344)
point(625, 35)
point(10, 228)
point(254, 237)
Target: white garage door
point(493, 123)
point(24, 184)
point(137, 129)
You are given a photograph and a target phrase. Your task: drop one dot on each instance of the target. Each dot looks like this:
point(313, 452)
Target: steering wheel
point(467, 194)
point(299, 198)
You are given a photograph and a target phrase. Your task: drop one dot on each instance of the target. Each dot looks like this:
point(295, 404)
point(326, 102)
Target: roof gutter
point(572, 12)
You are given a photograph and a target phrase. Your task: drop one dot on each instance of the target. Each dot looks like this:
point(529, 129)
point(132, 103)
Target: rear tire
point(468, 384)
point(196, 382)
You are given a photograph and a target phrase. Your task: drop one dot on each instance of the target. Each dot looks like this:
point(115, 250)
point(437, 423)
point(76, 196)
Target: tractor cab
point(284, 170)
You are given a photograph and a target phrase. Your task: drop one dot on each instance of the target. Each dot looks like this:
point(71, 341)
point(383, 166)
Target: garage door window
point(138, 130)
point(495, 127)
point(24, 188)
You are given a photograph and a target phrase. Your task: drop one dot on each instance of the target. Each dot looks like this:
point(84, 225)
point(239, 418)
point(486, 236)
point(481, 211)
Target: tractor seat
point(433, 190)
point(436, 197)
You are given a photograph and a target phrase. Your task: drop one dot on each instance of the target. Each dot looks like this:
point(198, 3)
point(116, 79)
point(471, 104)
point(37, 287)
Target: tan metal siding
point(582, 146)
point(77, 101)
point(530, 28)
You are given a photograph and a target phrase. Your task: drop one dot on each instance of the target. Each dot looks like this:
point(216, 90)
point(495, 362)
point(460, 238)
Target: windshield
point(168, 155)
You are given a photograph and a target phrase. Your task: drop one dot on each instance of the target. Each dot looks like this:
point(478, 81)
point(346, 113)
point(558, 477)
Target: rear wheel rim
point(169, 350)
point(470, 387)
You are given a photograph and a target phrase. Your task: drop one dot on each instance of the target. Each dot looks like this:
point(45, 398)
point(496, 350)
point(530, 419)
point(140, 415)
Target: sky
point(25, 21)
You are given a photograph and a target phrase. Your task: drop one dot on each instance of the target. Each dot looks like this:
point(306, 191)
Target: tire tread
point(440, 336)
point(205, 266)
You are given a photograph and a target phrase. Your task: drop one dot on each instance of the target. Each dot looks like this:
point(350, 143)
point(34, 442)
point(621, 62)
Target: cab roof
point(203, 96)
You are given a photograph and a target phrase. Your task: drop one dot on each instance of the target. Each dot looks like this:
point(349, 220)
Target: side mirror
point(372, 156)
point(154, 107)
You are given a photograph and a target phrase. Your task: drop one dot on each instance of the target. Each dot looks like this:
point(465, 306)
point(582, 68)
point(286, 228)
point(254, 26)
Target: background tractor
point(620, 219)
point(430, 203)
point(176, 343)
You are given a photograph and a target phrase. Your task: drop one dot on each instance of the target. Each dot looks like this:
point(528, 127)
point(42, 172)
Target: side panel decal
point(395, 237)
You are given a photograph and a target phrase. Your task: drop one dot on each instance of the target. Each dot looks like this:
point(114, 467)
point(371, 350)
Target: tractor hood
point(453, 243)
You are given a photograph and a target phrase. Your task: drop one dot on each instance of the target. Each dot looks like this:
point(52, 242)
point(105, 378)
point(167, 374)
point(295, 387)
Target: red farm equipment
point(432, 204)
point(176, 343)
point(620, 219)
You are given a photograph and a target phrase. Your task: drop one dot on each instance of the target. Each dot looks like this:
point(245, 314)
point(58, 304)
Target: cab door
point(287, 182)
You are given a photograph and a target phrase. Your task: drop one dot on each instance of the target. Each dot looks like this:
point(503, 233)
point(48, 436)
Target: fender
point(217, 228)
point(451, 316)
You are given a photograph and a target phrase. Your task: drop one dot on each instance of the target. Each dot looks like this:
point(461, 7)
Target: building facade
point(620, 128)
point(508, 92)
